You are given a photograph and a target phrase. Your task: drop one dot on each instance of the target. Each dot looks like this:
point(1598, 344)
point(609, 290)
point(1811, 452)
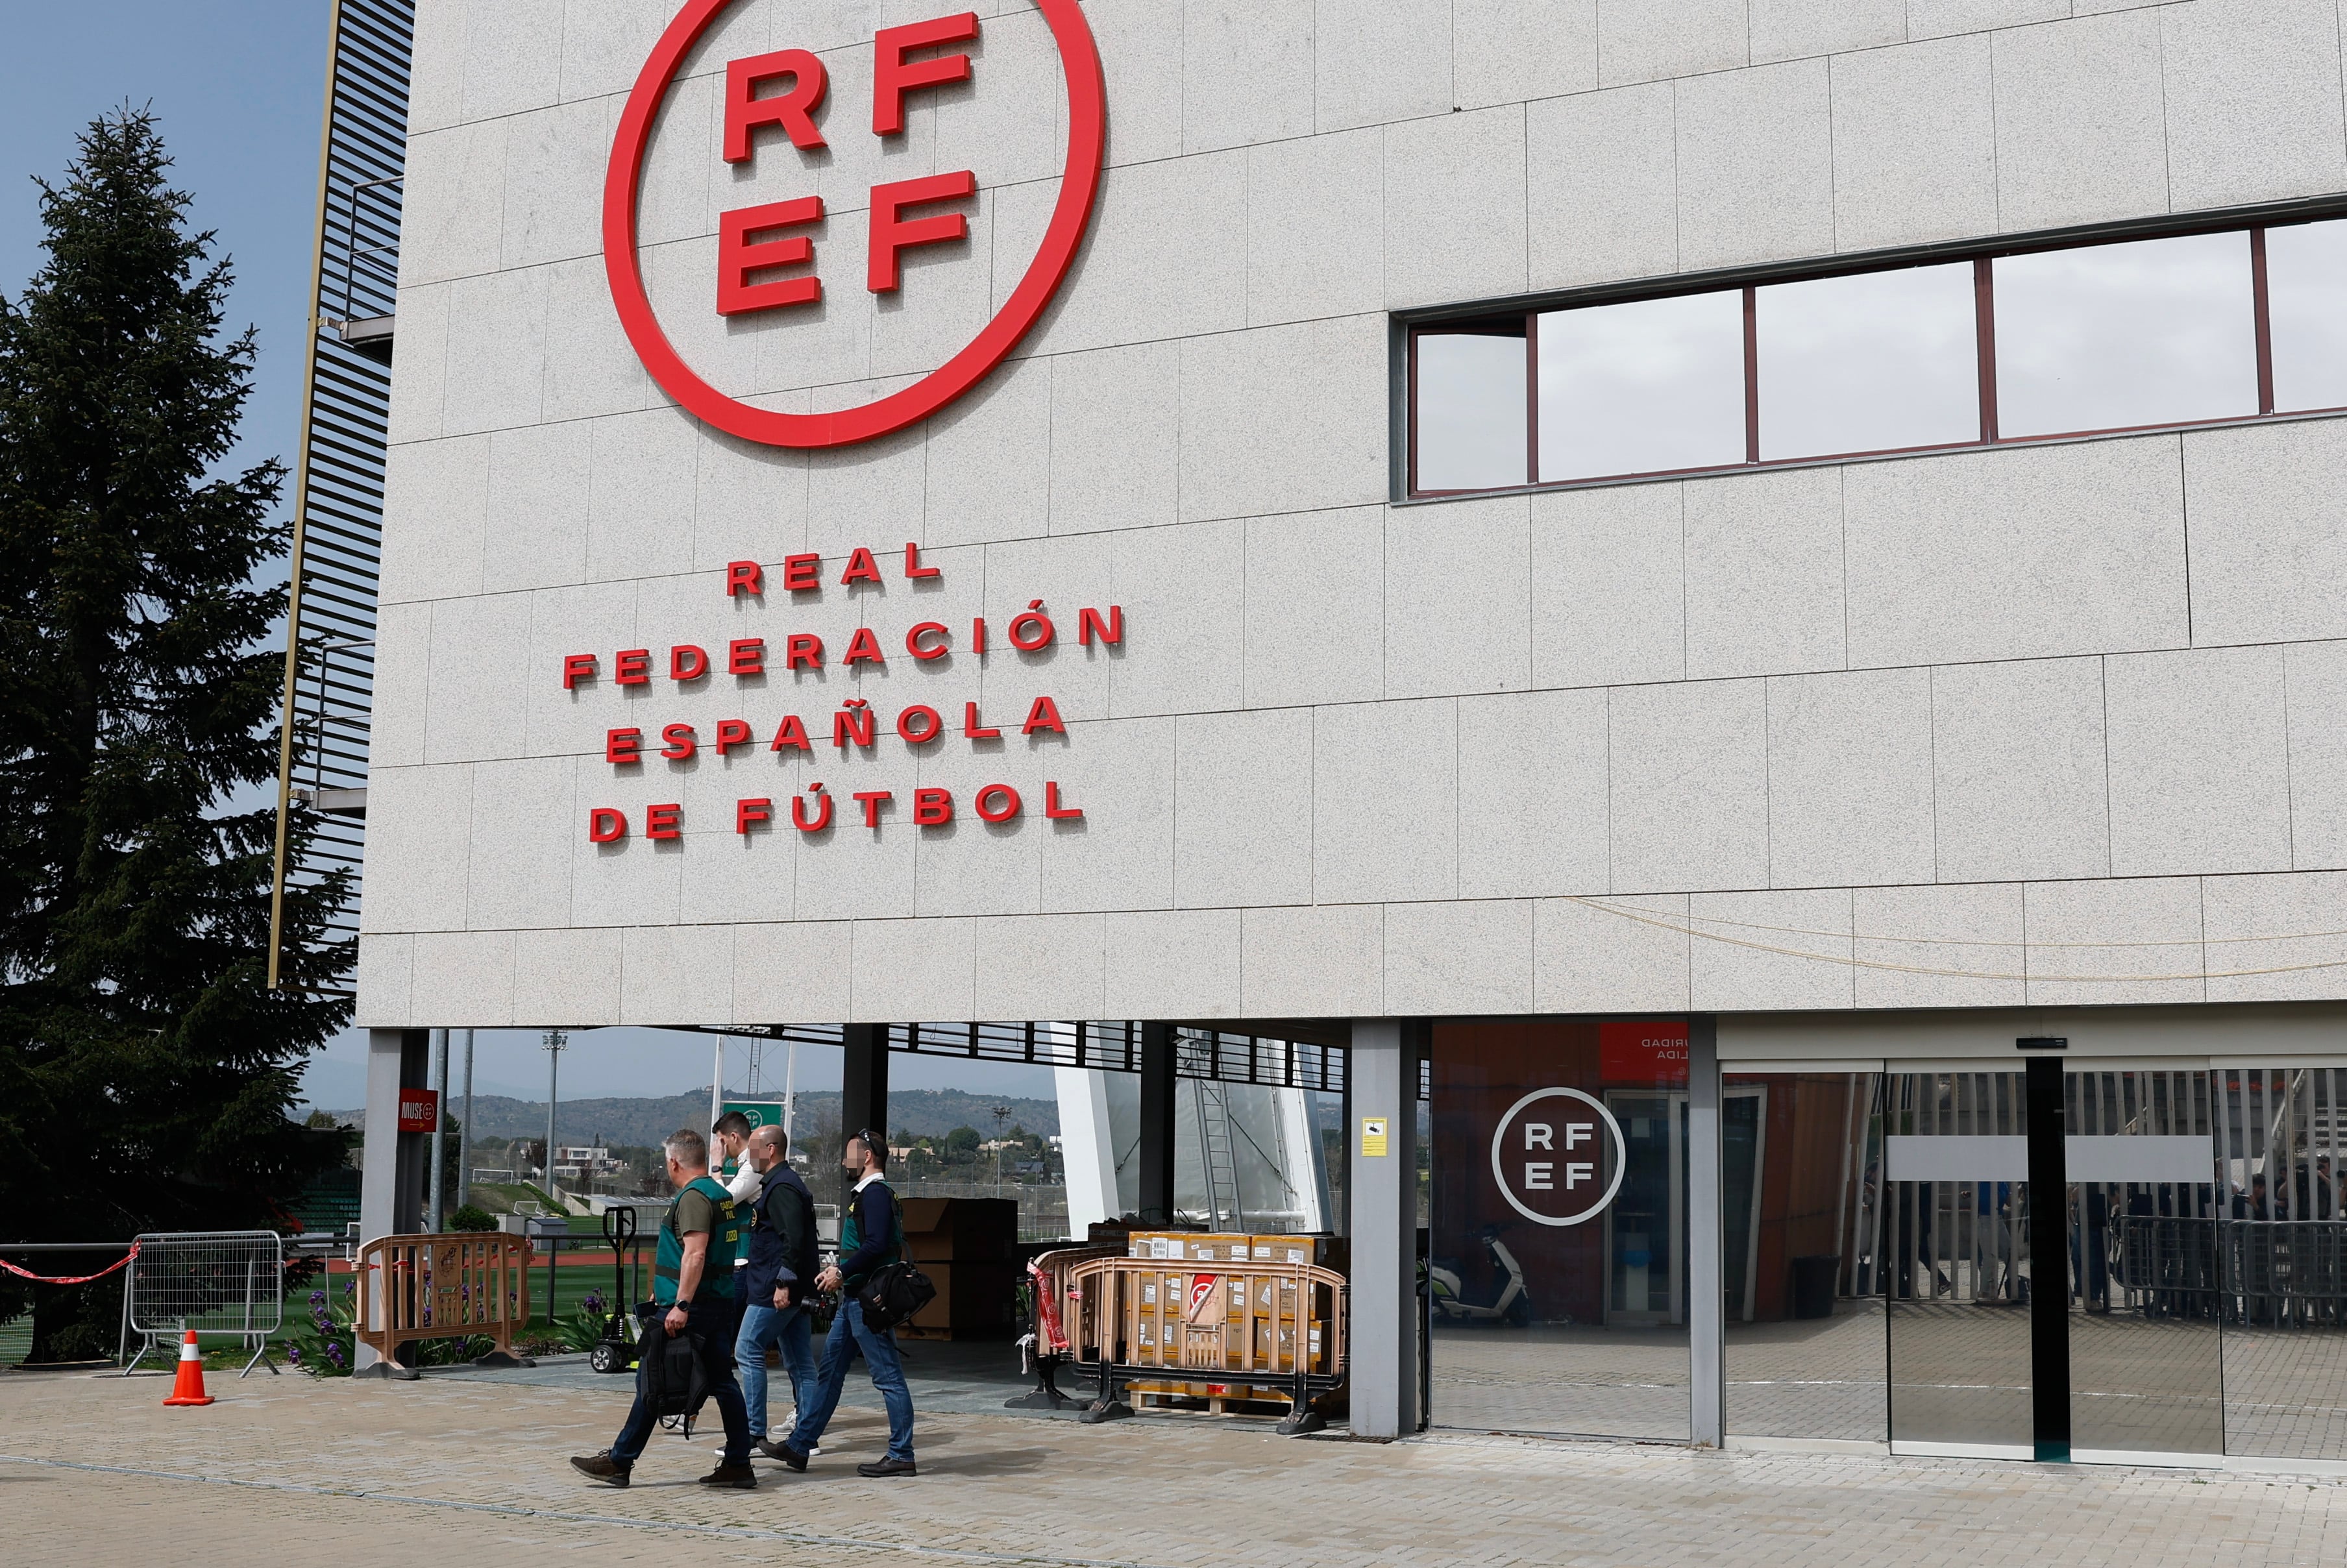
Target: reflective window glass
point(1868, 363)
point(2154, 332)
point(1642, 388)
point(1802, 1264)
point(1558, 1278)
point(1471, 410)
point(2306, 293)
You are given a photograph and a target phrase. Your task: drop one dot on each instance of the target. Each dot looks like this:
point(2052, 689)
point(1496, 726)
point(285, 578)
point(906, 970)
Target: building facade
point(1699, 582)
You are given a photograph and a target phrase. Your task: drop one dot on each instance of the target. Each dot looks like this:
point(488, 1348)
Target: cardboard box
point(961, 1230)
point(1327, 1250)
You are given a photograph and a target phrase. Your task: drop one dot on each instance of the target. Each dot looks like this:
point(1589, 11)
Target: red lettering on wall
point(919, 724)
point(871, 800)
point(686, 663)
point(1111, 630)
point(913, 567)
point(1030, 629)
point(792, 735)
point(977, 635)
point(1044, 715)
point(623, 746)
point(852, 726)
point(802, 650)
point(661, 821)
point(997, 802)
point(894, 76)
point(745, 811)
point(746, 656)
point(793, 110)
point(971, 729)
point(1054, 810)
point(743, 576)
point(861, 568)
point(822, 818)
point(932, 807)
point(605, 825)
point(936, 650)
point(730, 733)
point(799, 573)
point(892, 233)
point(680, 743)
point(577, 667)
point(863, 648)
point(632, 667)
point(738, 256)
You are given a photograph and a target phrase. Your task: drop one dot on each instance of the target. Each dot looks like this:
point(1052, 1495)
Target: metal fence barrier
point(221, 1283)
point(2250, 1272)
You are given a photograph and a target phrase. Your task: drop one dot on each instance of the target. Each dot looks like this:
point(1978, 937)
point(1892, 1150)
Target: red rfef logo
point(904, 213)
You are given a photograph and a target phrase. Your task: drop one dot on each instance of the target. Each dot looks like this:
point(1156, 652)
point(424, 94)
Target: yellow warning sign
point(1373, 1137)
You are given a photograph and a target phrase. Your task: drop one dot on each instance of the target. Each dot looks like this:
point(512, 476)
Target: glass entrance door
point(1955, 1261)
point(2144, 1240)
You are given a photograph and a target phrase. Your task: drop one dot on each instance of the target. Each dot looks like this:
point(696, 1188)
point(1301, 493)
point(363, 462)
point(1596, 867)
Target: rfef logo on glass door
point(1558, 1157)
point(777, 261)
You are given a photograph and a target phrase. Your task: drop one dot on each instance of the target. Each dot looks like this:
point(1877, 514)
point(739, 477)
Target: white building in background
point(1748, 599)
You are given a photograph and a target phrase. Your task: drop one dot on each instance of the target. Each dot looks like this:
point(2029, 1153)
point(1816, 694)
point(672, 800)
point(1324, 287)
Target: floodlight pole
point(465, 1132)
point(555, 1041)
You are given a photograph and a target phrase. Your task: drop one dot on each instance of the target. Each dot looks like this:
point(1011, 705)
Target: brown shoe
point(602, 1467)
point(739, 1477)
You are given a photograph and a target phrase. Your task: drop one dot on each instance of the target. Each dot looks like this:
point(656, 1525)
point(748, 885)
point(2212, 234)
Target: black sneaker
point(602, 1467)
point(886, 1466)
point(774, 1449)
point(738, 1476)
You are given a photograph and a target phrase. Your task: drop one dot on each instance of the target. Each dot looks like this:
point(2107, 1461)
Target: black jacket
point(781, 1236)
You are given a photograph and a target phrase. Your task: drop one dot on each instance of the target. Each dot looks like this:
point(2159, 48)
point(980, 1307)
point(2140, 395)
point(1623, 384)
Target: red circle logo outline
point(1071, 216)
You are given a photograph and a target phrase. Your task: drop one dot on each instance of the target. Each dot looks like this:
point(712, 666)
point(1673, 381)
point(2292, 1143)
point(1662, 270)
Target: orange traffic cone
point(187, 1389)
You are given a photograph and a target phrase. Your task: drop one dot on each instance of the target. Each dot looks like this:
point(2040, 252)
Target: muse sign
point(784, 90)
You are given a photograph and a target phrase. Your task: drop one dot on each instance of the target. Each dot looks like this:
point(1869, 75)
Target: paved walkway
point(96, 1469)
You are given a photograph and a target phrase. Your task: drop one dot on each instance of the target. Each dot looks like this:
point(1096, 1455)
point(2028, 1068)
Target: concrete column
point(1156, 1196)
point(863, 1079)
point(1382, 1081)
point(1707, 1298)
point(391, 1197)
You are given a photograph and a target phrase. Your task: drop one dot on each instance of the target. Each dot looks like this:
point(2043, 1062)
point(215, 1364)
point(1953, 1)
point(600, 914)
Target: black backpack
point(893, 1293)
point(675, 1381)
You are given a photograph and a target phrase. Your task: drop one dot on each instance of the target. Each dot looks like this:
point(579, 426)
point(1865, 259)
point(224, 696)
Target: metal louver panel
point(338, 496)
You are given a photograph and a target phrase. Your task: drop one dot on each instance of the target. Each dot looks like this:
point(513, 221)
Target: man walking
point(871, 1235)
point(730, 1140)
point(781, 1246)
point(693, 1279)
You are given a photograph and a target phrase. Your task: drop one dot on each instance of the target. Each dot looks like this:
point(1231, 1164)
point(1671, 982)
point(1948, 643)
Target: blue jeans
point(764, 1326)
point(848, 1336)
point(710, 1320)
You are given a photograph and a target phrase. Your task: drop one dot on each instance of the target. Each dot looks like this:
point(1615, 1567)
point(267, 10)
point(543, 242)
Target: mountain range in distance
point(645, 1122)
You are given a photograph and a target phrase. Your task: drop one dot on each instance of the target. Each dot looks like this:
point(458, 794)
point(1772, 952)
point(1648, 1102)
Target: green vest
point(851, 1235)
point(724, 1243)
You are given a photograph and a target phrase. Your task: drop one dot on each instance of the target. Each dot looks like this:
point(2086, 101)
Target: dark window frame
point(1479, 319)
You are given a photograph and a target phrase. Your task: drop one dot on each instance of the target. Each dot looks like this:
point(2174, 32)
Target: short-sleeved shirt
point(695, 1211)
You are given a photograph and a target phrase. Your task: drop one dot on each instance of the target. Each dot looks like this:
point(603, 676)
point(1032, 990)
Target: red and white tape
point(71, 1279)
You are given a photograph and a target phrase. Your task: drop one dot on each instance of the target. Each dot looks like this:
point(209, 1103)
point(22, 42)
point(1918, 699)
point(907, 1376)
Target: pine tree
point(145, 1070)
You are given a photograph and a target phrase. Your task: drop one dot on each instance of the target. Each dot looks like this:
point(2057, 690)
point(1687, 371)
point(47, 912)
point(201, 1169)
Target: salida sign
point(772, 257)
point(855, 728)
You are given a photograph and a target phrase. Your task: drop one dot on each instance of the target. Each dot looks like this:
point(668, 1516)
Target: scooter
point(616, 1350)
point(1510, 1306)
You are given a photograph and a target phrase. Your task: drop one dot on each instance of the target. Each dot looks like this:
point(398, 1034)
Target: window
point(1471, 435)
point(1869, 363)
point(2159, 332)
point(2016, 346)
point(2306, 285)
point(1642, 388)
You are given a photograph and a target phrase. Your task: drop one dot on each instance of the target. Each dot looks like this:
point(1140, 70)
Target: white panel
point(2137, 1158)
point(1960, 1157)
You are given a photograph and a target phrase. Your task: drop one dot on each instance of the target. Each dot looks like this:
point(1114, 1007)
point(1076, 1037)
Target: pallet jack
point(616, 1351)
